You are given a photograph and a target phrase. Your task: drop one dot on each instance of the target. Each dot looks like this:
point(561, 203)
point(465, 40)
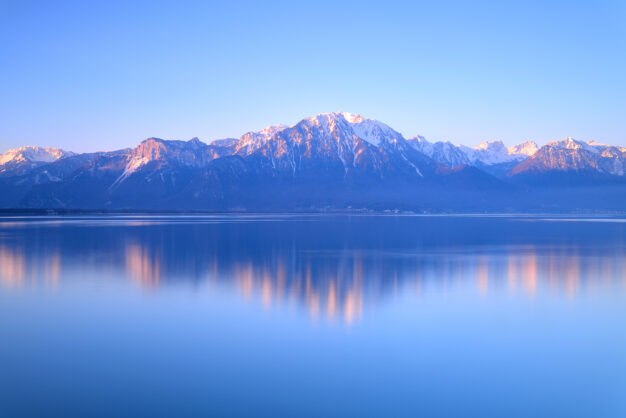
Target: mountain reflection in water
point(334, 267)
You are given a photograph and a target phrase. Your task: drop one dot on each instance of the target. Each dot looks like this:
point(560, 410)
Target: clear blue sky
point(105, 75)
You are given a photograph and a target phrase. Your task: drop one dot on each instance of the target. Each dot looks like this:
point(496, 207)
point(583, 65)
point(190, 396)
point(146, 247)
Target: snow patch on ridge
point(528, 148)
point(488, 152)
point(33, 154)
point(371, 130)
point(571, 143)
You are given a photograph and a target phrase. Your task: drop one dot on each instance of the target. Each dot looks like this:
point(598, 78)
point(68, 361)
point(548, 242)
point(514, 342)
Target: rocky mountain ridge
point(335, 159)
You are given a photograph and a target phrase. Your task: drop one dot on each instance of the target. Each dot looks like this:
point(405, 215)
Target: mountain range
point(333, 161)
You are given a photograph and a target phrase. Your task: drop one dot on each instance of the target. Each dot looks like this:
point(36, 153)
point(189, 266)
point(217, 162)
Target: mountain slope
point(331, 160)
point(485, 154)
point(18, 161)
point(571, 162)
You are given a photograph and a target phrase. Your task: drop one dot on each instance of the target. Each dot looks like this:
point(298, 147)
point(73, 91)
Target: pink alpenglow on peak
point(345, 158)
point(488, 152)
point(20, 160)
point(352, 117)
point(528, 148)
point(33, 154)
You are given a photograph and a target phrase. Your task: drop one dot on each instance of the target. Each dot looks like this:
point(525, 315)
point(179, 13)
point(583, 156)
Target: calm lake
point(306, 315)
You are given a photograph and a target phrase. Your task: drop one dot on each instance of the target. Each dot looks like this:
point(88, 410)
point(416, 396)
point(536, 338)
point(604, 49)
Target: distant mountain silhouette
point(332, 161)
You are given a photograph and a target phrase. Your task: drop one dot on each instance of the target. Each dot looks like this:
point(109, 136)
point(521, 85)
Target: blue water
point(282, 315)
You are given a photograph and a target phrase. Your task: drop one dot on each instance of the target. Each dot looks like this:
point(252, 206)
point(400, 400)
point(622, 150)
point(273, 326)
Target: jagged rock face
point(570, 155)
point(571, 143)
point(339, 145)
point(528, 148)
point(252, 141)
point(445, 153)
point(192, 153)
point(20, 160)
point(326, 160)
point(33, 154)
point(613, 160)
point(486, 153)
point(550, 158)
point(491, 152)
point(321, 140)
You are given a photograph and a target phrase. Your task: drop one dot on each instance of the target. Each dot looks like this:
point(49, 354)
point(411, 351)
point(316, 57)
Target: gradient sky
point(90, 76)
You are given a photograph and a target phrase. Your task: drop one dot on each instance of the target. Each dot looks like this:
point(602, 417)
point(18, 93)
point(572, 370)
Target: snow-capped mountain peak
point(443, 152)
point(271, 130)
point(573, 144)
point(491, 152)
point(567, 142)
point(422, 145)
point(347, 116)
point(33, 154)
point(491, 146)
point(601, 147)
point(338, 153)
point(375, 132)
point(369, 130)
point(528, 148)
point(488, 152)
point(251, 141)
point(352, 117)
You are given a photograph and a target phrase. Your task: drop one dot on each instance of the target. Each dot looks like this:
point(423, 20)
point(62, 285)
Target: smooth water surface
point(312, 316)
